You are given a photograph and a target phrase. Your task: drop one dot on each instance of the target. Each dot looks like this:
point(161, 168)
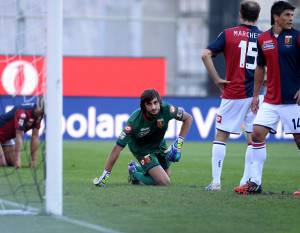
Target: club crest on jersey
point(288, 40)
point(160, 123)
point(268, 44)
point(219, 119)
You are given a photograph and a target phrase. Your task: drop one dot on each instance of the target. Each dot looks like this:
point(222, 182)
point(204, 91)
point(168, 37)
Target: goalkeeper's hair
point(249, 10)
point(279, 7)
point(147, 96)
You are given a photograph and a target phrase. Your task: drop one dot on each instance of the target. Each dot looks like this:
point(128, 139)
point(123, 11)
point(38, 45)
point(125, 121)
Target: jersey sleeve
point(173, 112)
point(298, 39)
point(218, 44)
point(260, 55)
point(20, 117)
point(126, 135)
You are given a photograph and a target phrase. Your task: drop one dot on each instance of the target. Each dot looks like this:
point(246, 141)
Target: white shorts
point(235, 114)
point(10, 142)
point(269, 115)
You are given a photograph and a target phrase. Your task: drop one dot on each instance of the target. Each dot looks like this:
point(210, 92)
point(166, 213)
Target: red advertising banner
point(85, 76)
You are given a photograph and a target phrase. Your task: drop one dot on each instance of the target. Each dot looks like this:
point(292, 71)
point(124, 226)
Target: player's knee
point(297, 140)
point(2, 160)
point(258, 134)
point(164, 182)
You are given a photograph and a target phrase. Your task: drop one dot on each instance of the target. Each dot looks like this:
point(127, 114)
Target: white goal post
point(31, 58)
point(54, 160)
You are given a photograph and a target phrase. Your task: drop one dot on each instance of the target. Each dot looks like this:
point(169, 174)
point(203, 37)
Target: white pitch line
point(27, 210)
point(85, 224)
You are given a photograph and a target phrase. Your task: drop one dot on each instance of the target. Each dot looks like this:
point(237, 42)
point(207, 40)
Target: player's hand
point(102, 180)
point(255, 104)
point(221, 83)
point(174, 150)
point(297, 97)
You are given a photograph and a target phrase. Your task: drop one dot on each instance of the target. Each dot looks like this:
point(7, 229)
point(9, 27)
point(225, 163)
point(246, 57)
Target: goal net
point(23, 62)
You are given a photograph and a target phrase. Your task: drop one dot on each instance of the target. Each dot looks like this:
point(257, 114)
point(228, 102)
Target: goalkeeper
point(144, 133)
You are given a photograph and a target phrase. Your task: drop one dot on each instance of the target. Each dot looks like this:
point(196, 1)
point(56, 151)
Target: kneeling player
point(8, 155)
point(144, 133)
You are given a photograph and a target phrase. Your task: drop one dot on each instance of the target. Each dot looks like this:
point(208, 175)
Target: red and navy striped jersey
point(239, 47)
point(20, 117)
point(281, 56)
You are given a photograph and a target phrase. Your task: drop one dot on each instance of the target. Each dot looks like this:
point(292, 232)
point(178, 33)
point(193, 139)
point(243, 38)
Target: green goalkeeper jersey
point(145, 136)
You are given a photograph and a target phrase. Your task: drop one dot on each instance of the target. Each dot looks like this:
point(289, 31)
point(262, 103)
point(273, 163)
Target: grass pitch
point(182, 207)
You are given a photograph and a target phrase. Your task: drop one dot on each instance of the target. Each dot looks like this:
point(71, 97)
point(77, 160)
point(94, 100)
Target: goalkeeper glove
point(174, 150)
point(101, 181)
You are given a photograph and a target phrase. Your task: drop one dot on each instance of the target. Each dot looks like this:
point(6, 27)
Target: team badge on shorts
point(219, 119)
point(160, 123)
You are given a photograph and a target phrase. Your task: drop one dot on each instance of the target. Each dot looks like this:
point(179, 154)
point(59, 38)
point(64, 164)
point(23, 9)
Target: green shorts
point(152, 160)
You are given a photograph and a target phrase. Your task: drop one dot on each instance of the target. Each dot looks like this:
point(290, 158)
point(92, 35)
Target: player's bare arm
point(18, 147)
point(34, 146)
point(297, 97)
point(2, 157)
point(111, 160)
point(258, 82)
point(113, 157)
point(207, 60)
point(187, 120)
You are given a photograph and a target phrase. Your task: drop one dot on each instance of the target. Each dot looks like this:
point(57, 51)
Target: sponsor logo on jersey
point(21, 122)
point(288, 40)
point(219, 119)
point(128, 129)
point(160, 123)
point(143, 132)
point(268, 44)
point(23, 115)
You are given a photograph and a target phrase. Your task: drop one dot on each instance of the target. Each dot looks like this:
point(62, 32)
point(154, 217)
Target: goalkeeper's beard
point(152, 115)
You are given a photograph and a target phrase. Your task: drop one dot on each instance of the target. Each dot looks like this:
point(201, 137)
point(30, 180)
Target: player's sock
point(259, 157)
point(146, 180)
point(218, 155)
point(247, 167)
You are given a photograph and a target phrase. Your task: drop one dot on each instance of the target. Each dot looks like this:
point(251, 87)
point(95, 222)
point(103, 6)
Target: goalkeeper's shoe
point(297, 193)
point(132, 168)
point(213, 187)
point(249, 188)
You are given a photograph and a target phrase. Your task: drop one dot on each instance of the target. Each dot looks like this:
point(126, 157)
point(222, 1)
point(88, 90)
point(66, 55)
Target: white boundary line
point(85, 224)
point(27, 210)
